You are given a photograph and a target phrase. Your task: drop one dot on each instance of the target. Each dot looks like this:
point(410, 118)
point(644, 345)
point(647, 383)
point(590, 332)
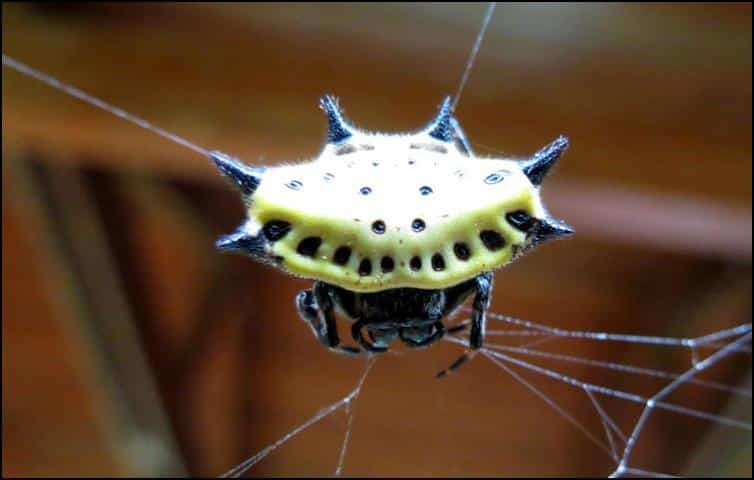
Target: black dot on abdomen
point(365, 267)
point(308, 246)
point(341, 256)
point(295, 185)
point(387, 264)
point(416, 263)
point(492, 240)
point(462, 251)
point(438, 262)
point(274, 230)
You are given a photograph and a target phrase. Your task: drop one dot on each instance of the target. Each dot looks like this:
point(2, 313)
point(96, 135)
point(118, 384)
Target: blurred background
point(132, 347)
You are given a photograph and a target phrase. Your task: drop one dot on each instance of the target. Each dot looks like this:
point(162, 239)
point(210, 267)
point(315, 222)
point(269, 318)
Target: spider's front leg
point(316, 308)
point(478, 321)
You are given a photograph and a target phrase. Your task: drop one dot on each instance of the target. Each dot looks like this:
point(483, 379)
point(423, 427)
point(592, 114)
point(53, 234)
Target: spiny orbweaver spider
point(396, 230)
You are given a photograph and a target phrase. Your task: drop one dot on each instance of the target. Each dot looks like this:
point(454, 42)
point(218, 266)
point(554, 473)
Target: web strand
point(649, 404)
point(619, 393)
point(620, 368)
point(654, 402)
point(346, 439)
point(554, 405)
point(474, 51)
point(607, 424)
point(244, 466)
point(707, 340)
point(91, 100)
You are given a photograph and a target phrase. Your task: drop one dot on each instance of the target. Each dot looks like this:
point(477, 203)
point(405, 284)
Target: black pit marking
point(345, 149)
point(425, 190)
point(365, 190)
point(416, 263)
point(274, 230)
point(365, 267)
point(438, 263)
point(341, 256)
point(462, 251)
point(521, 220)
point(493, 178)
point(375, 163)
point(378, 227)
point(295, 185)
point(418, 225)
point(492, 240)
point(432, 147)
point(387, 264)
point(308, 246)
point(328, 177)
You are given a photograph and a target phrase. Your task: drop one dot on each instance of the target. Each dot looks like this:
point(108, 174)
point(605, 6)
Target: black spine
point(338, 130)
point(537, 167)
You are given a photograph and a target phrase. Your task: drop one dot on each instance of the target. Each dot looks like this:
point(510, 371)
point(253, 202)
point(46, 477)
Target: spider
point(397, 230)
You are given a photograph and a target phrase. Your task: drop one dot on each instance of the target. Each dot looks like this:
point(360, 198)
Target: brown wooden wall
point(130, 346)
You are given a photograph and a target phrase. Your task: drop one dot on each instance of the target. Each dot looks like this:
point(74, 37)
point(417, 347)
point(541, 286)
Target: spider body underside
point(396, 230)
point(409, 314)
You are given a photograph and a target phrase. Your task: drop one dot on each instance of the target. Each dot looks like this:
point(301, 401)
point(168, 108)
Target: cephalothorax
point(396, 230)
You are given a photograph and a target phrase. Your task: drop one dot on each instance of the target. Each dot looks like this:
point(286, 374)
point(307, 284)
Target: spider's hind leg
point(478, 322)
point(316, 309)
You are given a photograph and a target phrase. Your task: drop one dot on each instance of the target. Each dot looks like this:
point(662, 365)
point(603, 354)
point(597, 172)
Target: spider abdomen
point(378, 212)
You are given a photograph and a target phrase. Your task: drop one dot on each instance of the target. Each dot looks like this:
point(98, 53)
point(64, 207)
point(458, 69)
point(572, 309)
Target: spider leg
point(478, 322)
point(437, 335)
point(356, 334)
point(312, 303)
point(457, 328)
point(461, 137)
point(382, 336)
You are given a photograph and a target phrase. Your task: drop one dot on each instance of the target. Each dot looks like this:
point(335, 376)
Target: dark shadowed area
point(132, 347)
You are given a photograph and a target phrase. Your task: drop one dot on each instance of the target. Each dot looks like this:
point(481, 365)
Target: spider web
point(615, 442)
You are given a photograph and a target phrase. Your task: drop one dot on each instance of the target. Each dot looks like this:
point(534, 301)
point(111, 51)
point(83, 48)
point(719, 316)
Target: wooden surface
point(655, 99)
